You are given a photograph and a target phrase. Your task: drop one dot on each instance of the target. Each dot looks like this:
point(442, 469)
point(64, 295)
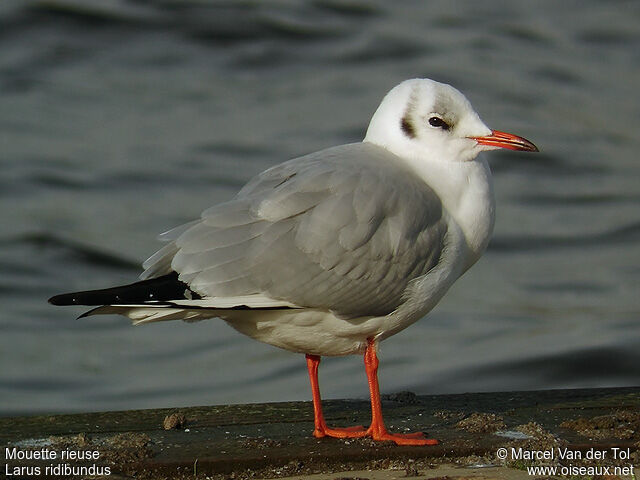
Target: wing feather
point(345, 229)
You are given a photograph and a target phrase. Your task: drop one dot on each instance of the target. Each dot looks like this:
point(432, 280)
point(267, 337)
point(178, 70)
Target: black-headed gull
point(332, 252)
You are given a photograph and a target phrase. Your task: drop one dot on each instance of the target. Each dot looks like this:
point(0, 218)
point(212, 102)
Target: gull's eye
point(438, 123)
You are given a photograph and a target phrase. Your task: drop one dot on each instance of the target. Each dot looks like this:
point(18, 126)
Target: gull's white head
point(424, 119)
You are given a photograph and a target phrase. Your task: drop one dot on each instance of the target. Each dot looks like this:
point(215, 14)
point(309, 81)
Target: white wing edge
point(188, 310)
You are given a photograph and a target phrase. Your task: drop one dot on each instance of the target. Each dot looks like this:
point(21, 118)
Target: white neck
point(466, 191)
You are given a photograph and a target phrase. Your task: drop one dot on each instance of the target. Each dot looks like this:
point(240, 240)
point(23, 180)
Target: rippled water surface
point(119, 120)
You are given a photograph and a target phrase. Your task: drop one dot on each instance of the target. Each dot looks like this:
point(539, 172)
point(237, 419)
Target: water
point(122, 119)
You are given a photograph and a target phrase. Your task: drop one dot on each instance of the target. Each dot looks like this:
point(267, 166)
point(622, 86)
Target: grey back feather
point(344, 229)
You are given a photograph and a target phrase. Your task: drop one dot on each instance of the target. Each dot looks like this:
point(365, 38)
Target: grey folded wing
point(344, 229)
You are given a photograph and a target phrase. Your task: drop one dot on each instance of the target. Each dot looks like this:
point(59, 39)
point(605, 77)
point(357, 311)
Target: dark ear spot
point(407, 127)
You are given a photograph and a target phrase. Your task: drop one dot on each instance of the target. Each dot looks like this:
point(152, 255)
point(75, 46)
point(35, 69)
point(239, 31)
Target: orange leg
point(377, 430)
point(321, 429)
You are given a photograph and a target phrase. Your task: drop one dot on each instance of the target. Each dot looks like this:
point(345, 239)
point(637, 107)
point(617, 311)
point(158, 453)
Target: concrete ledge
point(274, 440)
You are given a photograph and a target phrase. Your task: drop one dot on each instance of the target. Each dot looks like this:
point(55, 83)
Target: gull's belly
point(311, 331)
point(319, 332)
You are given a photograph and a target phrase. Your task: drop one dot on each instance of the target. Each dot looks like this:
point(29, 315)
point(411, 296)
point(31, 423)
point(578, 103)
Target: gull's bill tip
point(506, 140)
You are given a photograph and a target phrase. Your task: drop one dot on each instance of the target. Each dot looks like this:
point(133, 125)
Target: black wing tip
point(64, 299)
point(166, 287)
